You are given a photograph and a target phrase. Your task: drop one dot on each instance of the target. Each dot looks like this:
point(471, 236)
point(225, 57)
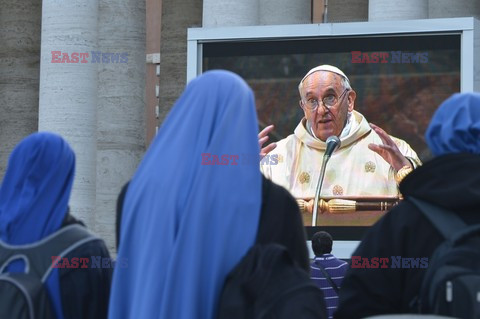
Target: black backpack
point(266, 284)
point(451, 285)
point(23, 295)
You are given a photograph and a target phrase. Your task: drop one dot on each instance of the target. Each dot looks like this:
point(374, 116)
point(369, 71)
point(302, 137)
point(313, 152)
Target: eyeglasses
point(329, 101)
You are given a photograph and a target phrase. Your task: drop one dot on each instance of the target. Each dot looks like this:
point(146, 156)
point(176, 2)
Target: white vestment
point(353, 169)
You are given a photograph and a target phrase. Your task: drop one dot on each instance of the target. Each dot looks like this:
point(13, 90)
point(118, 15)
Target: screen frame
point(465, 27)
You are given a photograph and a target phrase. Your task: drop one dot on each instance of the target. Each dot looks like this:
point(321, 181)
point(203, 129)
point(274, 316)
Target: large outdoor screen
point(399, 79)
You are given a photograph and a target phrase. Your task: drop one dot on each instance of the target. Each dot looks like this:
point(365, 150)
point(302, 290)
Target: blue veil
point(186, 225)
point(34, 196)
point(455, 126)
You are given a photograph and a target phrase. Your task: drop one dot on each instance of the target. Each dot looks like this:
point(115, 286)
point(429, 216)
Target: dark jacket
point(450, 181)
point(85, 292)
point(280, 221)
point(265, 280)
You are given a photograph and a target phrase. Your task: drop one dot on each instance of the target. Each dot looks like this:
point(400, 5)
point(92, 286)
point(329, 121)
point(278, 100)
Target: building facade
point(104, 74)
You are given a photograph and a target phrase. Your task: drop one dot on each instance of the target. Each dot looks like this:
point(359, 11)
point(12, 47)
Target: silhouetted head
point(322, 243)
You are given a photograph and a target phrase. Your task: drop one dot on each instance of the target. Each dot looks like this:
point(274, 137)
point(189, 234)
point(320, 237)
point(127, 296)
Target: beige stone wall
point(19, 73)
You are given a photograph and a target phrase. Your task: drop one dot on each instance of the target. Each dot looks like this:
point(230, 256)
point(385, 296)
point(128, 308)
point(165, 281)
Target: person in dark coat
point(280, 221)
point(34, 197)
point(85, 292)
point(194, 207)
point(450, 180)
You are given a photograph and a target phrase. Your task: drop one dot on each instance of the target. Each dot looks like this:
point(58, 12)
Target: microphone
point(333, 142)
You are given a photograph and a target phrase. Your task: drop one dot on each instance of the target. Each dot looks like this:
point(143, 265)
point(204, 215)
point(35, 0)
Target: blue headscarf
point(34, 196)
point(186, 225)
point(455, 126)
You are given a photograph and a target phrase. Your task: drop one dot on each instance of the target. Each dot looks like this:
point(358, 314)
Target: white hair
point(328, 68)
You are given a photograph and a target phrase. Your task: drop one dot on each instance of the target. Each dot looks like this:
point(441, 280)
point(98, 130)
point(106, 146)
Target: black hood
point(451, 181)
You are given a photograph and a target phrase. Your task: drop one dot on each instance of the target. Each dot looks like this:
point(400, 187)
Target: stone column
point(383, 10)
point(284, 12)
point(219, 13)
point(20, 23)
point(452, 9)
point(68, 91)
point(121, 105)
point(177, 16)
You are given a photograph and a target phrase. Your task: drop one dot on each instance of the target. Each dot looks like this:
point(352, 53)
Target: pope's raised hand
point(388, 150)
point(263, 138)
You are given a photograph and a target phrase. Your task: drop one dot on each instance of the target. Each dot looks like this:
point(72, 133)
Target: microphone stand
point(319, 187)
point(333, 142)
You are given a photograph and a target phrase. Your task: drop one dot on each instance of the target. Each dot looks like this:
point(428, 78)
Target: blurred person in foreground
point(451, 181)
point(34, 197)
point(194, 207)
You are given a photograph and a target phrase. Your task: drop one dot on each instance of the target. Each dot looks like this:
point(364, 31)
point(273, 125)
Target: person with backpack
point(423, 256)
point(326, 270)
point(197, 205)
point(46, 255)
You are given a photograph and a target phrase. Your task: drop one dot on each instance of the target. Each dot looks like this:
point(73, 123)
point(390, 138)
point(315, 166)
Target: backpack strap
point(327, 276)
point(445, 221)
point(38, 256)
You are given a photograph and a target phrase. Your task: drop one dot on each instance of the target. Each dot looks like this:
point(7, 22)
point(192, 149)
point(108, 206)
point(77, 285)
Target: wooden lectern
point(346, 210)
